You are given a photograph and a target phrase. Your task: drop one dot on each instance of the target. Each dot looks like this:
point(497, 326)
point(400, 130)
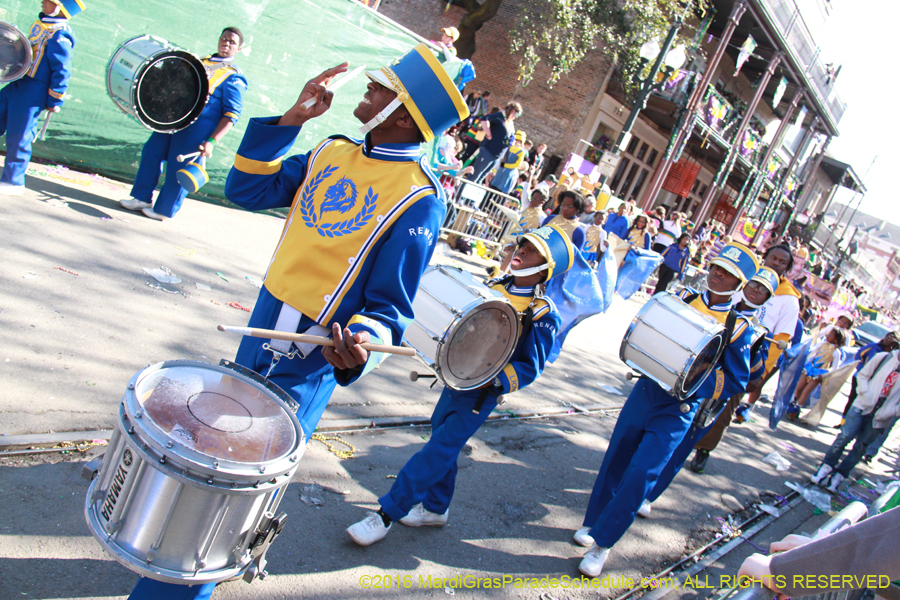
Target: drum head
point(216, 412)
point(15, 53)
point(171, 91)
point(479, 345)
point(701, 366)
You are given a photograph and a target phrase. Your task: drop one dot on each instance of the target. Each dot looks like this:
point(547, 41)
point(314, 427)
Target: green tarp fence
point(286, 43)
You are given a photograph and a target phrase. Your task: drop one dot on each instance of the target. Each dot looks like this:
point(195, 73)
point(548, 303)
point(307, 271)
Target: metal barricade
point(481, 213)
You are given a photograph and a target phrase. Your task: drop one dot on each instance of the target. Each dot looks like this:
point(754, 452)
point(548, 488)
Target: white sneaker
point(134, 204)
point(419, 516)
point(369, 530)
point(149, 212)
point(592, 563)
point(836, 480)
point(583, 537)
point(820, 474)
point(644, 510)
point(9, 189)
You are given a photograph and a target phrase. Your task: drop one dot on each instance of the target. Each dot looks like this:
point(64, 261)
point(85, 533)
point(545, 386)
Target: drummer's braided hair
point(784, 247)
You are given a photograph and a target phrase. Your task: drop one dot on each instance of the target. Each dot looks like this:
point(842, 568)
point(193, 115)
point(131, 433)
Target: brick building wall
point(555, 116)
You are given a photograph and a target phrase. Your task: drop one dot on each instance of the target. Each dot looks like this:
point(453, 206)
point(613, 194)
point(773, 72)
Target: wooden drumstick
point(184, 157)
point(334, 86)
point(301, 338)
point(780, 344)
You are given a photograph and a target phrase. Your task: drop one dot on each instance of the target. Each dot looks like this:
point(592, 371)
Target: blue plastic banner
point(577, 296)
point(791, 364)
point(639, 264)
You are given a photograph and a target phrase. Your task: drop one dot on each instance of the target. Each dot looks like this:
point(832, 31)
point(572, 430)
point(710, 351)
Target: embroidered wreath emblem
point(308, 209)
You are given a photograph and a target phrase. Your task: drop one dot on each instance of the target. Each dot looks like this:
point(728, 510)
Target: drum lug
point(91, 468)
point(162, 460)
point(130, 385)
point(151, 556)
point(269, 529)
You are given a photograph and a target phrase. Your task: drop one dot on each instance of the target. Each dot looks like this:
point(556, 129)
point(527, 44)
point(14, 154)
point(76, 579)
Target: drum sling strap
point(527, 320)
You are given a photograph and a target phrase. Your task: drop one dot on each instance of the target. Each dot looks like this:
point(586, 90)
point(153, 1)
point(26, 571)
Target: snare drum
point(15, 53)
point(673, 344)
point(191, 480)
point(161, 85)
point(463, 330)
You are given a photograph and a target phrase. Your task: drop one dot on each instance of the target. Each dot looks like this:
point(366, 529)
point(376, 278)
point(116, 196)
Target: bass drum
point(161, 85)
point(463, 330)
point(15, 53)
point(190, 483)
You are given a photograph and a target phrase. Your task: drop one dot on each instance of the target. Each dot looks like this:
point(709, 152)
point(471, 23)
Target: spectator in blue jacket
point(618, 222)
point(675, 259)
point(499, 129)
point(43, 87)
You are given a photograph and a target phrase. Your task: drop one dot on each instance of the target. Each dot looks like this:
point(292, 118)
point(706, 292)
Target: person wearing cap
point(745, 303)
point(424, 487)
point(224, 104)
point(509, 168)
point(653, 423)
point(43, 87)
point(364, 218)
point(779, 316)
point(499, 128)
point(448, 36)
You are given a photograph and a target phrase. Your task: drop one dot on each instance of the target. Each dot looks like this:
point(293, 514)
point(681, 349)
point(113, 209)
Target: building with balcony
point(740, 133)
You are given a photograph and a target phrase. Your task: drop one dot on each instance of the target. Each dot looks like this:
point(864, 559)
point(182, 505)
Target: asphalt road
point(72, 342)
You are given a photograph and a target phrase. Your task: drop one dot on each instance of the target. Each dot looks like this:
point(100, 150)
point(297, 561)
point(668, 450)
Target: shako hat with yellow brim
point(425, 88)
point(69, 8)
point(768, 278)
point(553, 244)
point(738, 260)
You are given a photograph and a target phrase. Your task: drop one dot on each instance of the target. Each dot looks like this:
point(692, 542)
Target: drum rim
point(151, 441)
point(168, 49)
point(443, 350)
point(676, 390)
point(30, 54)
point(720, 336)
point(138, 566)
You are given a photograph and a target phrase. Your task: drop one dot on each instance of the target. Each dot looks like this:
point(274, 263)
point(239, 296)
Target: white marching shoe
point(644, 510)
point(583, 537)
point(369, 530)
point(836, 480)
point(592, 563)
point(419, 516)
point(134, 204)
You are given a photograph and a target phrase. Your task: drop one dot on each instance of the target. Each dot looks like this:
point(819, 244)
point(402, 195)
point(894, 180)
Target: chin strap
point(55, 10)
point(529, 271)
point(380, 117)
point(750, 304)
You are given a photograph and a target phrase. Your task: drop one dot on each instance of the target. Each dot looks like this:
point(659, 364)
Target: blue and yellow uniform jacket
point(760, 352)
point(52, 44)
point(732, 373)
point(530, 356)
point(227, 85)
point(362, 226)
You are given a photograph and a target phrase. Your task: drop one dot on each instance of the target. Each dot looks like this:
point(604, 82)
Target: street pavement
point(79, 320)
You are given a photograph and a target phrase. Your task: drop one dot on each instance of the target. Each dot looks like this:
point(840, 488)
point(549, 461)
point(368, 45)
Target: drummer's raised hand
point(297, 115)
point(206, 149)
point(347, 352)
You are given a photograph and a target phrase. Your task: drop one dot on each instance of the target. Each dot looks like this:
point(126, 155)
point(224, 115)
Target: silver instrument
point(463, 330)
point(162, 86)
point(15, 53)
point(673, 344)
point(189, 487)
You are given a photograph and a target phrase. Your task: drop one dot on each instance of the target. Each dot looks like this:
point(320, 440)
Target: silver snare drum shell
point(162, 86)
point(15, 53)
point(673, 344)
point(195, 465)
point(463, 330)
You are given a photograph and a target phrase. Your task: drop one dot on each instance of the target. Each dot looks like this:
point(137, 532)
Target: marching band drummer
point(42, 87)
point(364, 220)
point(424, 487)
point(779, 316)
point(653, 423)
point(756, 293)
point(223, 109)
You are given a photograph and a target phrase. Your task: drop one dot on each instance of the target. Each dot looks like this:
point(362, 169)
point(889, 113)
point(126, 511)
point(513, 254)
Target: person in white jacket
point(877, 404)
